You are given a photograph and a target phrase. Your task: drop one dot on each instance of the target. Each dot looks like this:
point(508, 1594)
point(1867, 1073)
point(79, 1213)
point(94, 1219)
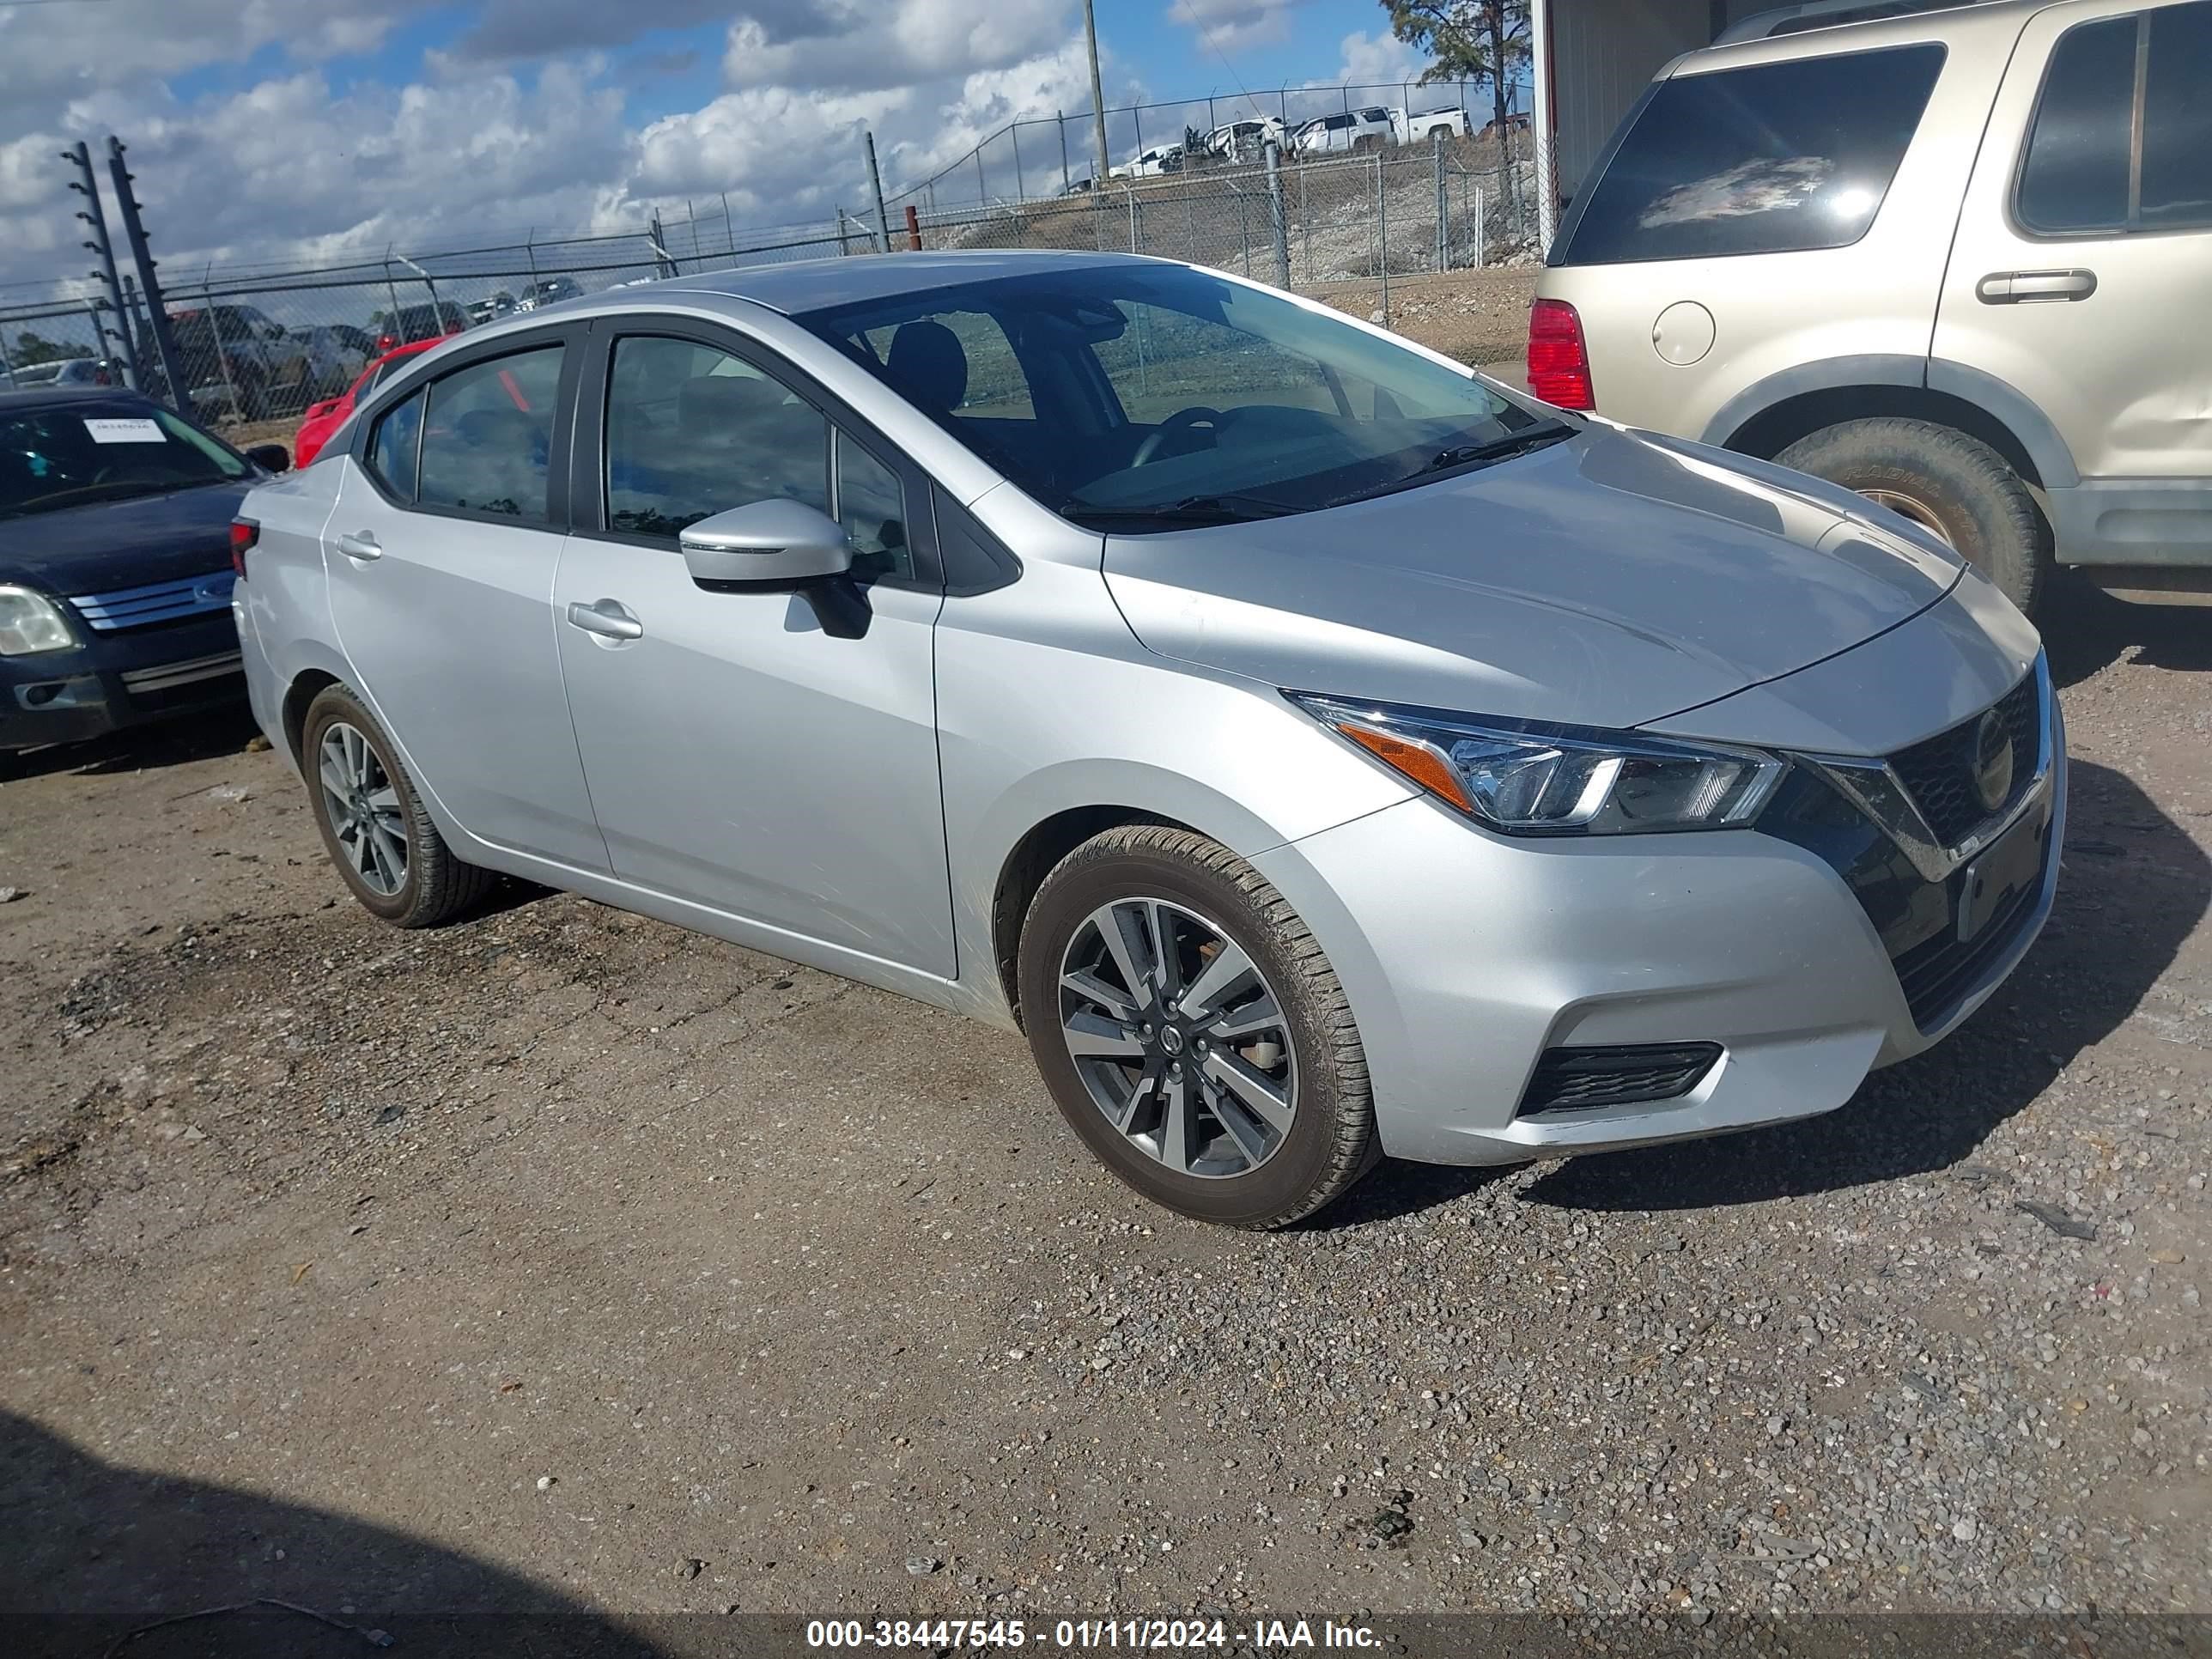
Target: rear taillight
point(1558, 360)
point(244, 533)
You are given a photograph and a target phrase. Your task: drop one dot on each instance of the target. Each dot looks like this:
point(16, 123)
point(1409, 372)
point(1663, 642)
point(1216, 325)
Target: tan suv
point(1959, 261)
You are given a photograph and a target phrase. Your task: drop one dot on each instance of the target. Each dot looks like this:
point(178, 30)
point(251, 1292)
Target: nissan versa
point(1316, 751)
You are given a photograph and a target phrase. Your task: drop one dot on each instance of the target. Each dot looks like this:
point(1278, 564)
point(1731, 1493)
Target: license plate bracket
point(2014, 860)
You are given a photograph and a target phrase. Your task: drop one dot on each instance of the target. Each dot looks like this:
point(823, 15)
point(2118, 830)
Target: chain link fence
point(1412, 210)
point(255, 345)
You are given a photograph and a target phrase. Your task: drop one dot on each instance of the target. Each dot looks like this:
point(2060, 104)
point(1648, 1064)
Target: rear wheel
point(1953, 485)
point(386, 850)
point(1191, 1031)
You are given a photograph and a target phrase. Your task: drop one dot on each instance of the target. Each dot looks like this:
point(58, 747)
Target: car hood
point(105, 545)
point(1610, 579)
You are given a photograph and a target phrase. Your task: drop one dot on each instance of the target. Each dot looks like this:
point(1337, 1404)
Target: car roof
point(1998, 22)
point(41, 396)
point(817, 284)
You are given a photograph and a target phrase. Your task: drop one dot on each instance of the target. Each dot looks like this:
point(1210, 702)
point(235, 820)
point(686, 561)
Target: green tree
point(34, 347)
point(1485, 41)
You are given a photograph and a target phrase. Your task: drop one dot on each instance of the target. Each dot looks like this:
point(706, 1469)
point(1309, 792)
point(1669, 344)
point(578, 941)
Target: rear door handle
point(361, 545)
point(2012, 288)
point(607, 619)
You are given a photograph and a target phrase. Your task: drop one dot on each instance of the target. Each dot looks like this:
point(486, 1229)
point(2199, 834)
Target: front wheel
point(386, 850)
point(1949, 484)
point(1191, 1031)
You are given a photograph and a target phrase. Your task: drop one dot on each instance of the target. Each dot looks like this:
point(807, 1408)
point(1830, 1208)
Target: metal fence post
point(1130, 191)
point(1383, 233)
point(1277, 221)
point(1059, 120)
point(844, 242)
point(1479, 224)
point(221, 352)
point(157, 316)
point(1014, 137)
point(1443, 202)
point(876, 184)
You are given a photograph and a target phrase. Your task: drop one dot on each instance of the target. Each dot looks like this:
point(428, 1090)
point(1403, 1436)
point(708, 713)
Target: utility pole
point(157, 315)
point(95, 217)
point(1098, 99)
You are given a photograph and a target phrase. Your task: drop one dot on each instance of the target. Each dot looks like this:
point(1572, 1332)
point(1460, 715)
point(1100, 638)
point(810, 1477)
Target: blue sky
point(288, 130)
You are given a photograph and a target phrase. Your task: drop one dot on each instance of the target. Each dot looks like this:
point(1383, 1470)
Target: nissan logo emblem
point(1992, 761)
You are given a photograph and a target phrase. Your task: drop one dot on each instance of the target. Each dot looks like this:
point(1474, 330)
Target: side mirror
point(270, 458)
point(777, 544)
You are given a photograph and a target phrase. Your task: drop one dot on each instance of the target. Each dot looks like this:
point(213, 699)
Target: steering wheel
point(1181, 421)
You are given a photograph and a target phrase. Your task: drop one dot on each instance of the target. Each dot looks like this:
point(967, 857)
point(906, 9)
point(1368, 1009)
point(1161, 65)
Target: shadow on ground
point(2086, 630)
point(95, 1551)
point(221, 732)
point(2132, 889)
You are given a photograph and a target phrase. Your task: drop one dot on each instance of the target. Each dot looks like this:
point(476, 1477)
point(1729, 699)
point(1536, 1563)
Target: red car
point(323, 419)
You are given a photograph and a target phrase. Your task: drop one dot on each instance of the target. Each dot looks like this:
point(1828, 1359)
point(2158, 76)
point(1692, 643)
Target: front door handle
point(606, 619)
point(361, 545)
point(2012, 288)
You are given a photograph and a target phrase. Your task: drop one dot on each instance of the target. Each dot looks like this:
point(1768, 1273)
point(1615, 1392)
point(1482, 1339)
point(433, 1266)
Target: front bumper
point(121, 679)
point(1462, 977)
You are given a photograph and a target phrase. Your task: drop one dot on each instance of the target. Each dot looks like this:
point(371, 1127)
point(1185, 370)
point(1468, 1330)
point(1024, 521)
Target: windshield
point(76, 453)
point(1120, 393)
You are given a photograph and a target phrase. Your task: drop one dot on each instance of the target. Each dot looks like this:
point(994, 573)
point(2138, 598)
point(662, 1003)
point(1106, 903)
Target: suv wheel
point(1191, 1031)
point(372, 824)
point(1956, 486)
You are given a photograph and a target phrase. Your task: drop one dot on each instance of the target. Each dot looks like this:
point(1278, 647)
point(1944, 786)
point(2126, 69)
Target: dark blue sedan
point(115, 563)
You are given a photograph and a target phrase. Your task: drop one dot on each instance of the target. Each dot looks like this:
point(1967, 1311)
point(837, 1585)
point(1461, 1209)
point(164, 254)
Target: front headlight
point(1528, 778)
point(31, 621)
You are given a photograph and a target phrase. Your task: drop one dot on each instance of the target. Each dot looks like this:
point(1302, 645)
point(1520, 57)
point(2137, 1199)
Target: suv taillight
point(1558, 361)
point(244, 533)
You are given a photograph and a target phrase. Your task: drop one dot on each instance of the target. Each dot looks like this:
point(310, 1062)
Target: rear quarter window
point(1770, 158)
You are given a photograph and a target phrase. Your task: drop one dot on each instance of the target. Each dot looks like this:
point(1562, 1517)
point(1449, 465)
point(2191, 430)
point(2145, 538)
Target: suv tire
point(340, 737)
point(1238, 1166)
point(1955, 485)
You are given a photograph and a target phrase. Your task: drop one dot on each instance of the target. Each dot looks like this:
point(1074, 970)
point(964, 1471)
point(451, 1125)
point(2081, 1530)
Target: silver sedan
point(1317, 750)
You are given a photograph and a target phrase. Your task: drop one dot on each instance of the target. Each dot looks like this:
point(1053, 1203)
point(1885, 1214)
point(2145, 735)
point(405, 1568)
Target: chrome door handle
point(361, 545)
point(2012, 288)
point(606, 619)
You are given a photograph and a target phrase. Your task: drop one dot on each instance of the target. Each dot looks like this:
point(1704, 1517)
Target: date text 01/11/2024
point(1084, 1635)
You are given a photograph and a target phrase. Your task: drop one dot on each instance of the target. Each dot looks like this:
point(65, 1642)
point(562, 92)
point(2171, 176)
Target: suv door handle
point(2012, 288)
point(361, 545)
point(607, 619)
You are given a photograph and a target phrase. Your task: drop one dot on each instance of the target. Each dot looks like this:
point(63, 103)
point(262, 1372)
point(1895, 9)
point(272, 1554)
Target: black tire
point(1962, 488)
point(1331, 1141)
point(438, 886)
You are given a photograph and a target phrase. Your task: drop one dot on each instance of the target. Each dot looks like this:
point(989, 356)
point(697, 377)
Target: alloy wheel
point(363, 809)
point(1178, 1037)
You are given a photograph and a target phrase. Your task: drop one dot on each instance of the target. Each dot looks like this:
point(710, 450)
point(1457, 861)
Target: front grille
point(1938, 772)
point(157, 602)
point(1937, 975)
point(139, 681)
point(1585, 1079)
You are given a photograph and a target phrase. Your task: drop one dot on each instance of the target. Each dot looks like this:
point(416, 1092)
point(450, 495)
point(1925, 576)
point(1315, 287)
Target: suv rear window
point(1767, 158)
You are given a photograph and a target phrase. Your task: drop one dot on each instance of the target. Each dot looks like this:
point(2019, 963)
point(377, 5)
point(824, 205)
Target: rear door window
point(1770, 158)
point(2077, 175)
point(487, 437)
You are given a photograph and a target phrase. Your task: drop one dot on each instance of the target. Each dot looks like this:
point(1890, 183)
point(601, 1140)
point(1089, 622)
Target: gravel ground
point(561, 1259)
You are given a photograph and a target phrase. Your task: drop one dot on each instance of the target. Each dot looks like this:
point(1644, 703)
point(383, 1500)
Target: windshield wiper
point(1541, 435)
point(1191, 509)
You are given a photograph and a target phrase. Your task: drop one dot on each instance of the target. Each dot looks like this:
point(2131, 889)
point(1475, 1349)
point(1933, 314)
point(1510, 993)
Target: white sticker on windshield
point(119, 431)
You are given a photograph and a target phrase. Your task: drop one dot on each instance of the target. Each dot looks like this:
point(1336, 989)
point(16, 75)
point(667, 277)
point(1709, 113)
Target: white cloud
point(1226, 25)
point(1377, 59)
point(305, 166)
